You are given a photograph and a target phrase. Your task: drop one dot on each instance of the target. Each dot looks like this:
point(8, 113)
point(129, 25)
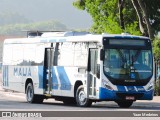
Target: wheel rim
point(82, 98)
point(29, 94)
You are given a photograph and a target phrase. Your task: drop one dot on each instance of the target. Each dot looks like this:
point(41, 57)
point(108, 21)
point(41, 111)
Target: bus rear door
point(48, 64)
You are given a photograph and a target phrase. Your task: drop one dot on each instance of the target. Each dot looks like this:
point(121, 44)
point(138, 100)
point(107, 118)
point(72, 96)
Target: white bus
point(80, 68)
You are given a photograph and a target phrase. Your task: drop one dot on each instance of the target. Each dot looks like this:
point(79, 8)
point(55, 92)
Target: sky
point(41, 10)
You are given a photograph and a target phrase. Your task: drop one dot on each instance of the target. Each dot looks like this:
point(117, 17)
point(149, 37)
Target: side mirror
point(102, 54)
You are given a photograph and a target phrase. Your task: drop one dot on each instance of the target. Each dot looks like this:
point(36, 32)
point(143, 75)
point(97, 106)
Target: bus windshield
point(128, 64)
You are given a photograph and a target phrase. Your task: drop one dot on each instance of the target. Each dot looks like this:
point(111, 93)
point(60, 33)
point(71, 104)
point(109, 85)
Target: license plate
point(130, 98)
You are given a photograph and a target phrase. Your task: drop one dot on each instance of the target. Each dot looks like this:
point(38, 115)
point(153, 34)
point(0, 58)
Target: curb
point(17, 95)
point(12, 94)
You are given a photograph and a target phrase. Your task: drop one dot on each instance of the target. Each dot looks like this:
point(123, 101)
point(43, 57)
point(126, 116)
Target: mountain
point(42, 10)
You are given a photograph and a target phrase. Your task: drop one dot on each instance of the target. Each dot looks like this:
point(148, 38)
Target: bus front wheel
point(124, 104)
point(31, 97)
point(81, 100)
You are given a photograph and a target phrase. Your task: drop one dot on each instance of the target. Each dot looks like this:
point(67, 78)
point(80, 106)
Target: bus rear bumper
point(106, 94)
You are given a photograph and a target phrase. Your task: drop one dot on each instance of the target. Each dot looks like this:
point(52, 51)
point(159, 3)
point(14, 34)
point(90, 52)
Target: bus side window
point(94, 67)
point(56, 54)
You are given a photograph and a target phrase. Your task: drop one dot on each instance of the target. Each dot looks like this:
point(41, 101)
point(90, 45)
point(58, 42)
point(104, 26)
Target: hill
point(40, 10)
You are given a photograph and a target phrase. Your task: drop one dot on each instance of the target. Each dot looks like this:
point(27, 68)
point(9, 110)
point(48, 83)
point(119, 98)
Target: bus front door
point(48, 64)
point(92, 72)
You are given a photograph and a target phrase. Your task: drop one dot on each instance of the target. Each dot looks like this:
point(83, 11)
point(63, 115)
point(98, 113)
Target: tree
point(116, 16)
point(153, 9)
point(146, 17)
point(156, 46)
point(111, 16)
point(142, 13)
point(139, 14)
point(121, 7)
point(149, 13)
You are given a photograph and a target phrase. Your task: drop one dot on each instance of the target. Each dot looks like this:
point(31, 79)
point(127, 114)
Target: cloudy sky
point(41, 10)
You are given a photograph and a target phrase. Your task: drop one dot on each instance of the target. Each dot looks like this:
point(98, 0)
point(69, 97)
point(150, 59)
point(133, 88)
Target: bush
point(156, 48)
point(157, 88)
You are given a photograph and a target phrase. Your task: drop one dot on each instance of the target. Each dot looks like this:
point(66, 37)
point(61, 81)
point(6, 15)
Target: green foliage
point(105, 16)
point(156, 48)
point(80, 4)
point(157, 87)
point(153, 8)
point(16, 29)
point(132, 29)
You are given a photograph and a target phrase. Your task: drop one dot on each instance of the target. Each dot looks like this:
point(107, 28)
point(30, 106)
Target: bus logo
point(22, 71)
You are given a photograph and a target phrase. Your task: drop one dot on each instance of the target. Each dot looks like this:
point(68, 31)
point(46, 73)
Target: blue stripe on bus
point(122, 37)
point(129, 37)
point(121, 88)
point(41, 76)
point(44, 40)
point(131, 89)
point(140, 88)
point(64, 80)
point(148, 95)
point(105, 94)
point(5, 76)
point(4, 80)
point(65, 83)
point(4, 69)
point(54, 79)
point(52, 40)
point(61, 40)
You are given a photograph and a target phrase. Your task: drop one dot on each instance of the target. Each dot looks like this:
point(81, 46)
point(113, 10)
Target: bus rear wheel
point(81, 100)
point(124, 104)
point(69, 101)
point(31, 97)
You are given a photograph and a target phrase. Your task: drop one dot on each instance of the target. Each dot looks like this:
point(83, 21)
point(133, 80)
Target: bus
point(80, 67)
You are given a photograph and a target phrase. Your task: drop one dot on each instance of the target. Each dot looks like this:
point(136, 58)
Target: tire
point(124, 104)
point(80, 98)
point(69, 101)
point(31, 97)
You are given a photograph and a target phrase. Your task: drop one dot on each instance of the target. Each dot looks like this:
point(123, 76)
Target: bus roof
point(68, 37)
point(87, 38)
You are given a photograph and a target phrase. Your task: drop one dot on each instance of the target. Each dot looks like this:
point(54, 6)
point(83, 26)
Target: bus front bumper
point(105, 94)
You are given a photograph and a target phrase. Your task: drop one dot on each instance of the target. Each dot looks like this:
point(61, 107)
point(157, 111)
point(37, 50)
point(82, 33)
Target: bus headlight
point(106, 85)
point(151, 86)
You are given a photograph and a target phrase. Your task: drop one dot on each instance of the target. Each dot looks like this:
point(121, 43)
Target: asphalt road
point(10, 101)
point(17, 101)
